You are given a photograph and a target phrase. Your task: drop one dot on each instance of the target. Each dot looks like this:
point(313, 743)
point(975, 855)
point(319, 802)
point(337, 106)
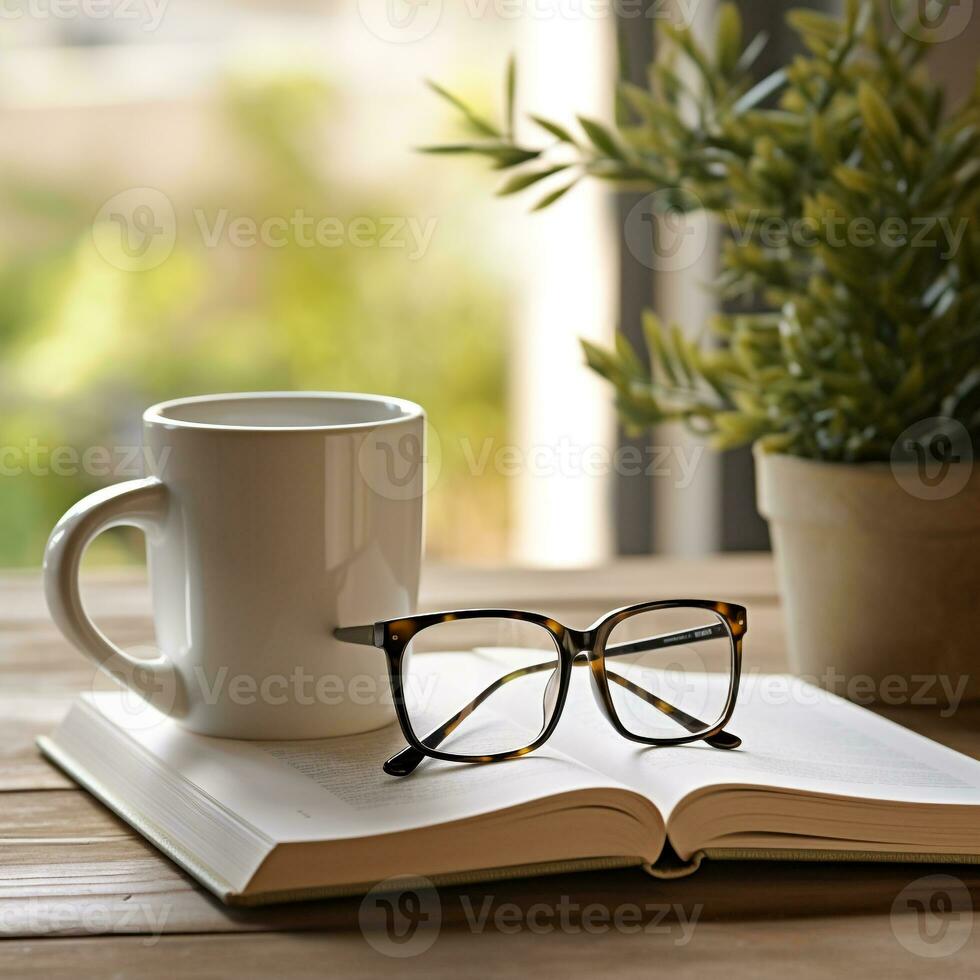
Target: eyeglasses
point(486, 685)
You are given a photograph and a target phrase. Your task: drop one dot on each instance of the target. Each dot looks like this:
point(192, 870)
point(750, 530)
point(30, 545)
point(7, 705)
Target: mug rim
point(156, 414)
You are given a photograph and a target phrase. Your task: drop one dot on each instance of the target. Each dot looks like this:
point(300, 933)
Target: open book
point(816, 777)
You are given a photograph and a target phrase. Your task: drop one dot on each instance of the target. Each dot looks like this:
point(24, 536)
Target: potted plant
point(847, 194)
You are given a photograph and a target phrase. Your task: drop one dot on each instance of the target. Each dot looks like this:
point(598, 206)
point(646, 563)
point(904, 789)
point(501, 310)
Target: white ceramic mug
point(270, 519)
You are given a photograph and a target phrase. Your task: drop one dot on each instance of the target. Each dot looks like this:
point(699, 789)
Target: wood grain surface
point(82, 895)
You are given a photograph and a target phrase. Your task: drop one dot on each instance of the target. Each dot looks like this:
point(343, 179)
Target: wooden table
point(82, 895)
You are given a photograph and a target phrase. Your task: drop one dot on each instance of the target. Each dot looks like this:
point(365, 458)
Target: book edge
point(212, 881)
point(660, 869)
point(88, 703)
point(843, 855)
point(447, 880)
point(224, 891)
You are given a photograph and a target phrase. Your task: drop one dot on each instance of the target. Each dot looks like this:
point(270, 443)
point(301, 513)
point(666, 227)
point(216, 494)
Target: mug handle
point(136, 503)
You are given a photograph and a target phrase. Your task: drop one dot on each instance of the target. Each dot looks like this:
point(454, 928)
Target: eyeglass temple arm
point(720, 740)
point(365, 635)
point(406, 761)
point(709, 632)
point(369, 636)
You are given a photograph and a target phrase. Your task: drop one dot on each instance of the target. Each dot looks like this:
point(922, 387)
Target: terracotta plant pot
point(879, 569)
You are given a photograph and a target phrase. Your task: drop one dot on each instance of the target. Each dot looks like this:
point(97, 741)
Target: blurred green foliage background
point(85, 346)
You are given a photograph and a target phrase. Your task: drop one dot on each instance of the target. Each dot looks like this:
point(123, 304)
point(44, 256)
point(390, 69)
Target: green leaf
point(450, 149)
point(911, 384)
point(750, 55)
point(476, 122)
point(599, 360)
point(550, 199)
point(878, 118)
point(600, 137)
point(511, 96)
point(684, 39)
point(859, 181)
point(513, 156)
point(559, 132)
point(728, 40)
point(733, 429)
point(658, 346)
point(498, 151)
point(661, 117)
point(759, 92)
point(520, 182)
point(825, 140)
point(777, 442)
point(667, 84)
point(503, 155)
point(852, 340)
point(815, 25)
point(629, 362)
point(682, 357)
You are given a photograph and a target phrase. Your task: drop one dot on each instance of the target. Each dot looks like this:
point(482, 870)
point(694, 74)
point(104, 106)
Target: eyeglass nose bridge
point(578, 645)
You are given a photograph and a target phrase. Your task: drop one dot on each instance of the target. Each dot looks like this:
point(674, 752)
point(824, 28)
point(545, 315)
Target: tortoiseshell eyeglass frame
point(574, 648)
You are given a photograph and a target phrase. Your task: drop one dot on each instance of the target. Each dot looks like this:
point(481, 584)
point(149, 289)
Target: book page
point(335, 788)
point(794, 737)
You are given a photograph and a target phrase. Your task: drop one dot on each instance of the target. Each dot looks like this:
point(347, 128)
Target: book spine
point(669, 865)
